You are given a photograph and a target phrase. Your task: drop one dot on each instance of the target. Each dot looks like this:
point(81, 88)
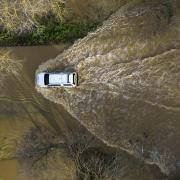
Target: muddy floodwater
point(9, 169)
point(127, 98)
point(129, 81)
point(21, 106)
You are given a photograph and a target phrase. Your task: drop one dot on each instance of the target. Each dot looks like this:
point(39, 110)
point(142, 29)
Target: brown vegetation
point(129, 82)
point(44, 155)
point(42, 150)
point(22, 15)
point(94, 9)
point(9, 65)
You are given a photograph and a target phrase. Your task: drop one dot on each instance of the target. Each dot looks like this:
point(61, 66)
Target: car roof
point(58, 78)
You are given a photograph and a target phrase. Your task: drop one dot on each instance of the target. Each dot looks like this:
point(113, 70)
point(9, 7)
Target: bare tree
point(87, 159)
point(42, 155)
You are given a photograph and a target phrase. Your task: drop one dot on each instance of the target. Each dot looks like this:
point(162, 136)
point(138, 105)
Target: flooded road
point(22, 108)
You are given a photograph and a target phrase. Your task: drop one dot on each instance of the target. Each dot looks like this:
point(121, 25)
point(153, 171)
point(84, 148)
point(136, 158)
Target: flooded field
point(129, 71)
point(9, 170)
point(22, 108)
point(120, 122)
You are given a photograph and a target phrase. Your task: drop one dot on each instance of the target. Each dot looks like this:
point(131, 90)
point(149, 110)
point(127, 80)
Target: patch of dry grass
point(22, 15)
point(9, 65)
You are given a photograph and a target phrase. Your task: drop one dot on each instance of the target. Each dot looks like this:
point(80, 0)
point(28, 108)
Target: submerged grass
point(83, 159)
point(8, 65)
point(43, 155)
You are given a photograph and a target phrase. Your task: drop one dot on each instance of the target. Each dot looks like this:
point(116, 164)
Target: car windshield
point(46, 79)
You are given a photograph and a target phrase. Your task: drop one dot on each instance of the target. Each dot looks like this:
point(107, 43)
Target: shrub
point(42, 156)
point(22, 15)
point(43, 153)
point(52, 32)
point(37, 22)
point(37, 147)
point(166, 162)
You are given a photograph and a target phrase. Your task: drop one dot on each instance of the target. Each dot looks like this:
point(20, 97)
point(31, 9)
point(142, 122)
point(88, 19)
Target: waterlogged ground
point(22, 108)
point(128, 93)
point(129, 82)
point(9, 170)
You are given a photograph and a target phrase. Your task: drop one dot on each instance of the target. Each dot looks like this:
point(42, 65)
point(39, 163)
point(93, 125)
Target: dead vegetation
point(9, 65)
point(166, 162)
point(43, 154)
point(42, 150)
point(21, 16)
point(95, 10)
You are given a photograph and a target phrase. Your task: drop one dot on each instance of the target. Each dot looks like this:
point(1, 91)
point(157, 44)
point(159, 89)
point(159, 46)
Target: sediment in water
point(129, 72)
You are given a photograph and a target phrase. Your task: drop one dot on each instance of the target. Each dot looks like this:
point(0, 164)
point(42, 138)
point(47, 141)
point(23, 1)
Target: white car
point(55, 79)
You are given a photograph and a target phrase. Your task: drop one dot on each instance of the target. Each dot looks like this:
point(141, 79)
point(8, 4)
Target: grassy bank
point(41, 22)
point(52, 32)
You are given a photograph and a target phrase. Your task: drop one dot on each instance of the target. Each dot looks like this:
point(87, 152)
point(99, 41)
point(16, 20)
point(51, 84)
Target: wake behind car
point(56, 79)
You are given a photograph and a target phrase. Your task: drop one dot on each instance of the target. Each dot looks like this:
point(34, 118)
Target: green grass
point(169, 8)
point(48, 33)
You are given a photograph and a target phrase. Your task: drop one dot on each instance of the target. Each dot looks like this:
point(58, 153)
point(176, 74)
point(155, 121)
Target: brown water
point(129, 71)
point(9, 170)
point(21, 106)
point(129, 86)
